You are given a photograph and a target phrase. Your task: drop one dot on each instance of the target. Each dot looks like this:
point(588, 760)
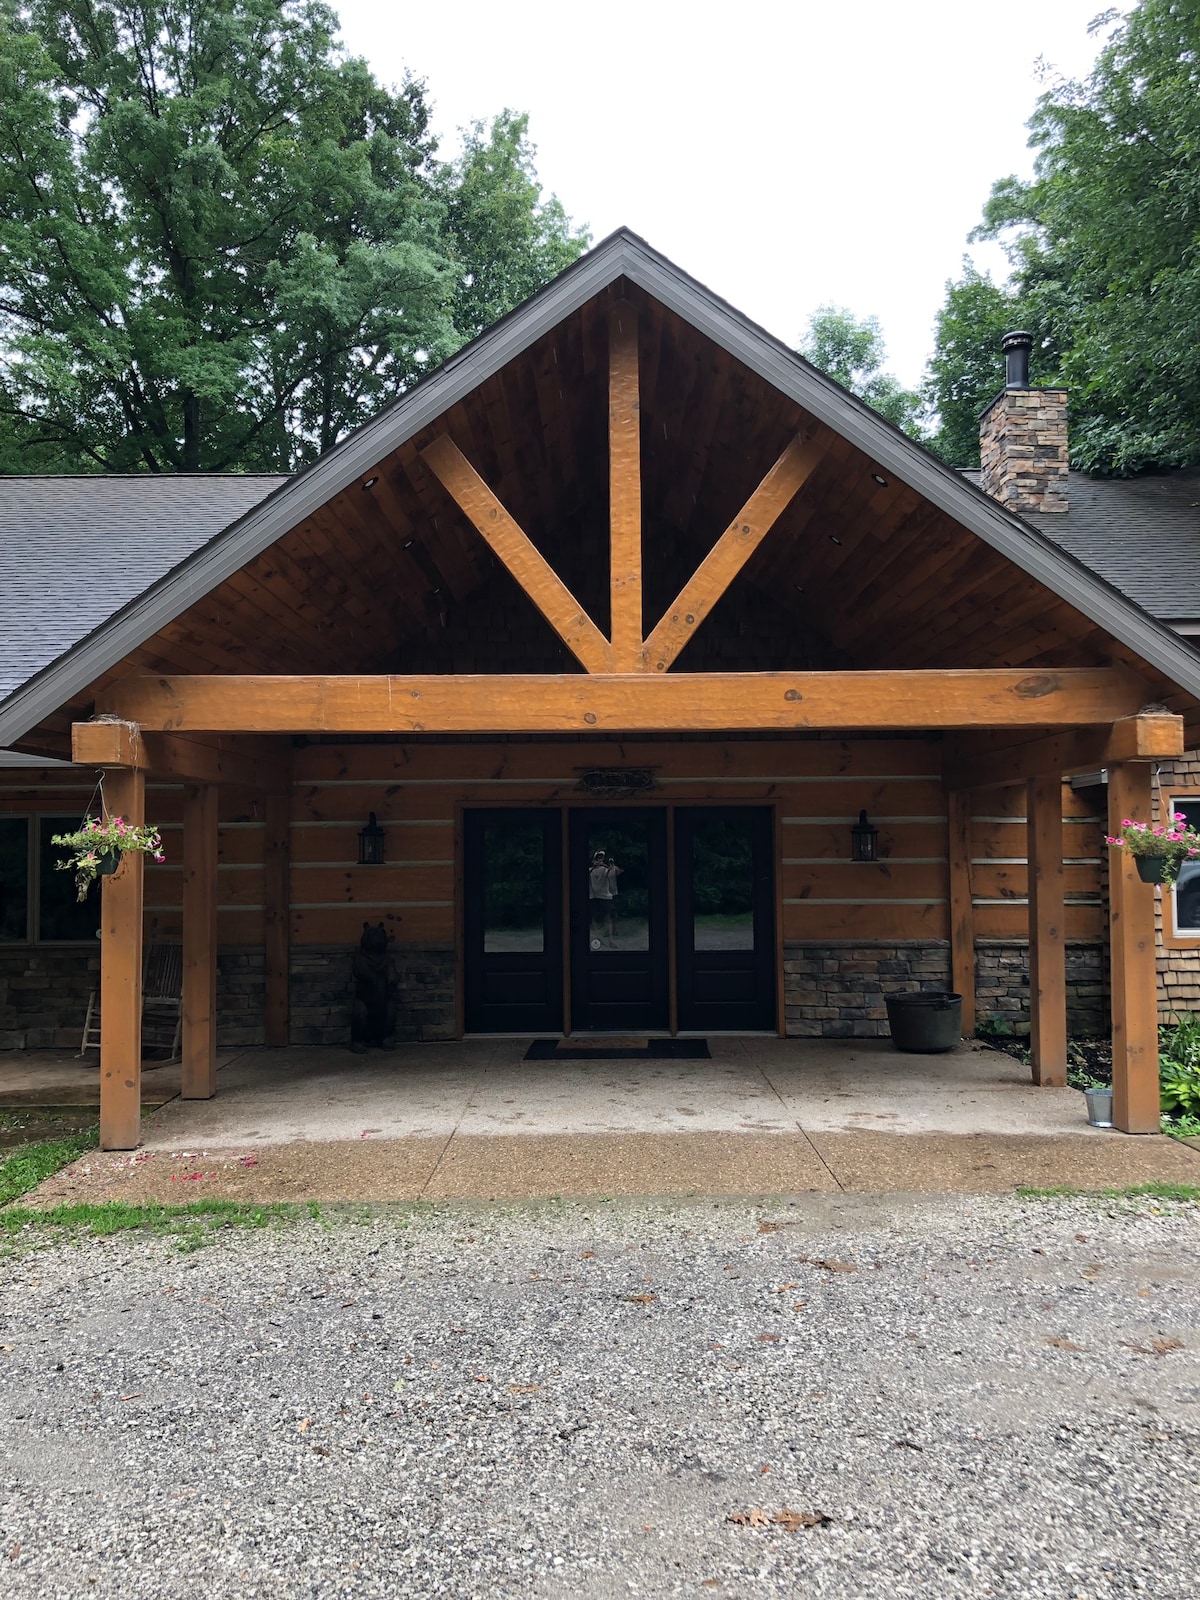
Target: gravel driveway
point(983, 1396)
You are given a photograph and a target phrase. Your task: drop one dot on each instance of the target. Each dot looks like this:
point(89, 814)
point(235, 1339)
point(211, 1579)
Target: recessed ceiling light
point(369, 483)
point(833, 539)
point(408, 543)
point(880, 479)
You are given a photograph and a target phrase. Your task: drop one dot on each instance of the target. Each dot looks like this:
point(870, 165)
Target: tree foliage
point(224, 244)
point(1103, 243)
point(851, 351)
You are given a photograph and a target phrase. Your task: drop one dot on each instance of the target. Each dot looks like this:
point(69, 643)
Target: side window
point(60, 915)
point(14, 879)
point(1186, 894)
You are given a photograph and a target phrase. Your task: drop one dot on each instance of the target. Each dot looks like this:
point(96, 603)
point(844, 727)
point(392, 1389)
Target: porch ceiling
point(860, 571)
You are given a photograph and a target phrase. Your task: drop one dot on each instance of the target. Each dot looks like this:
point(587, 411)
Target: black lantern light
point(370, 844)
point(864, 840)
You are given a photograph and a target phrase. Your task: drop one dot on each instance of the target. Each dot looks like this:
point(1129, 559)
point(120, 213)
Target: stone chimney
point(1023, 438)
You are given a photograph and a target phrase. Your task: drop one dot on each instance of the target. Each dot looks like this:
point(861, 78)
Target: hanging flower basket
point(1158, 849)
point(95, 850)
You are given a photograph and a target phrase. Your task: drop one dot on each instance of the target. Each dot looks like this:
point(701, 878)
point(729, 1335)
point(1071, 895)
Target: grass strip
point(31, 1163)
point(194, 1220)
point(1151, 1191)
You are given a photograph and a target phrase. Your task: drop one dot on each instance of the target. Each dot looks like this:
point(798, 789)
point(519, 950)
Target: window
point(1185, 896)
point(37, 898)
point(14, 879)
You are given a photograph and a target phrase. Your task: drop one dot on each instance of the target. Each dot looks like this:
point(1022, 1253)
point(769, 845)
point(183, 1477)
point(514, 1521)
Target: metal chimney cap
point(1017, 340)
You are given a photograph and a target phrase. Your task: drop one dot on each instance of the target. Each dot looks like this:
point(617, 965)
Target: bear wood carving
point(373, 1013)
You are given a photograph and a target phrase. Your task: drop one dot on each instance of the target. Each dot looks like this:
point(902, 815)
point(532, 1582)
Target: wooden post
point(962, 915)
point(1131, 951)
point(121, 975)
point(199, 942)
point(277, 923)
point(1047, 933)
point(625, 487)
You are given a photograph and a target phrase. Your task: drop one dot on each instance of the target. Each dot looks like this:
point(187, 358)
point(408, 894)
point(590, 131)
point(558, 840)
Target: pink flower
point(158, 856)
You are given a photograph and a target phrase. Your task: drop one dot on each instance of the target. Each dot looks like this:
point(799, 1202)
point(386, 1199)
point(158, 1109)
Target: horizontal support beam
point(630, 702)
point(125, 744)
point(1152, 737)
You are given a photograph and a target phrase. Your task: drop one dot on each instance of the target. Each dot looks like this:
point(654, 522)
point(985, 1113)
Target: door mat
point(618, 1050)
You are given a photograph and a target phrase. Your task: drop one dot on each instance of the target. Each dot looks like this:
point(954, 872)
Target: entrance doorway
point(608, 924)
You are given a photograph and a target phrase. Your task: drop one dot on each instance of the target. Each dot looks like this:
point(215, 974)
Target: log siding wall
point(867, 927)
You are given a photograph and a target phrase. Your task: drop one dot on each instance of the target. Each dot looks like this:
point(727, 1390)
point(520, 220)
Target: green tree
point(851, 351)
point(966, 370)
point(222, 242)
point(1104, 243)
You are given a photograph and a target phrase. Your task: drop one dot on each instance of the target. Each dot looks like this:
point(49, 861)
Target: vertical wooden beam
point(121, 975)
point(199, 1078)
point(1132, 954)
point(625, 488)
point(277, 923)
point(1047, 932)
point(962, 913)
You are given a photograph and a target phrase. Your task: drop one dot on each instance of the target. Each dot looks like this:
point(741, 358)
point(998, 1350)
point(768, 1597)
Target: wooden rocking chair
point(162, 1003)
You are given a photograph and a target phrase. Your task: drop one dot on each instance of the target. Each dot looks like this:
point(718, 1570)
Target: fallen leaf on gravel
point(769, 1227)
point(136, 1395)
point(784, 1287)
point(398, 1385)
point(794, 1520)
point(14, 1550)
point(768, 1338)
point(830, 1264)
point(710, 1583)
point(1082, 1237)
point(749, 1519)
point(480, 1377)
point(907, 1444)
point(801, 1305)
point(523, 1388)
point(1157, 1438)
point(1156, 1347)
point(1063, 1344)
point(7, 1347)
point(1092, 1271)
point(641, 1299)
point(586, 1255)
point(321, 1450)
point(303, 1427)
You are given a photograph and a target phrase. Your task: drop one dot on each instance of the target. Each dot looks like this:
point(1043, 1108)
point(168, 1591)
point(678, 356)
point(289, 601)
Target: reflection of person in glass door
point(602, 896)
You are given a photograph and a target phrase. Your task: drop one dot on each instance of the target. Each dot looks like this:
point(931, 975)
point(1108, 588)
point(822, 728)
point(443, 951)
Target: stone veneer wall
point(837, 990)
point(44, 994)
point(1023, 449)
point(322, 985)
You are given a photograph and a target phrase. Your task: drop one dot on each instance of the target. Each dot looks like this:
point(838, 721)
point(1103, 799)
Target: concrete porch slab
point(474, 1120)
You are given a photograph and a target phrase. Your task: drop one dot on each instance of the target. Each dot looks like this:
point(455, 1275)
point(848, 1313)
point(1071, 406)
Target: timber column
point(1047, 932)
point(1131, 950)
point(199, 1079)
point(121, 974)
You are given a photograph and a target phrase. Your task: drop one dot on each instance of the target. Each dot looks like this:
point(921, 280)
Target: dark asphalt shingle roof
point(74, 550)
point(1140, 534)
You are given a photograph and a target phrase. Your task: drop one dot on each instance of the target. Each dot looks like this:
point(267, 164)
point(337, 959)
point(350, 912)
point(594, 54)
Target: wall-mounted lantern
point(370, 844)
point(864, 840)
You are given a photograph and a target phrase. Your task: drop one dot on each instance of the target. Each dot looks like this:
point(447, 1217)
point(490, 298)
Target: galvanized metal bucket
point(1099, 1107)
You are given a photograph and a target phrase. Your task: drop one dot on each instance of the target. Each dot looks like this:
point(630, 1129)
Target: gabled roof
point(75, 550)
point(623, 256)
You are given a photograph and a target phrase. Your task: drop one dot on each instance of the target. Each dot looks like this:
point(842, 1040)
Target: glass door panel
point(618, 920)
point(726, 921)
point(512, 912)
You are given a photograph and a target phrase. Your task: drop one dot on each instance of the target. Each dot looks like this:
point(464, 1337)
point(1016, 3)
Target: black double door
point(609, 924)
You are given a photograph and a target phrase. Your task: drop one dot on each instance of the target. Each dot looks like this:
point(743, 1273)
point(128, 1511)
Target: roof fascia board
point(1025, 547)
point(242, 541)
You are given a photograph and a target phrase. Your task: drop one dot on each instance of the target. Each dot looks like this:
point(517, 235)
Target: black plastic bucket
point(925, 1023)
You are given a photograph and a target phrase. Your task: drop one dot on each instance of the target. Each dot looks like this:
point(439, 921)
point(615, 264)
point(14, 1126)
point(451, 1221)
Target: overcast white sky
point(787, 155)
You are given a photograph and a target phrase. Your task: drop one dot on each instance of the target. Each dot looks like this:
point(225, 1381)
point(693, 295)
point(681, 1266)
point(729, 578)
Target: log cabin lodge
point(625, 597)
